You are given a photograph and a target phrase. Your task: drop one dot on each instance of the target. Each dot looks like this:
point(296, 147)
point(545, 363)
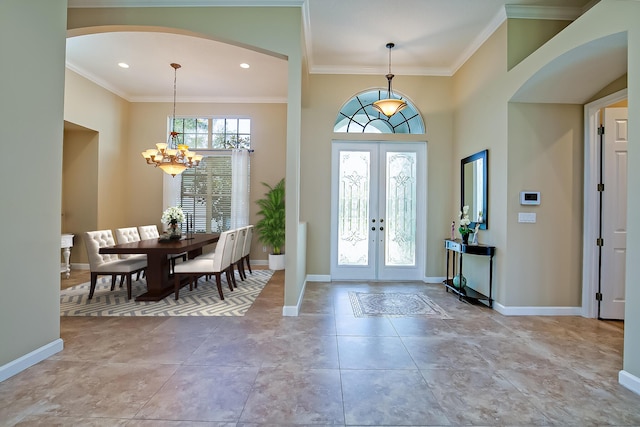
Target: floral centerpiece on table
point(464, 229)
point(173, 216)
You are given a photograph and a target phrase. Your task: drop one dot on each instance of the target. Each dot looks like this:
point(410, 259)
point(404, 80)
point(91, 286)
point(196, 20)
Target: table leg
point(66, 253)
point(158, 284)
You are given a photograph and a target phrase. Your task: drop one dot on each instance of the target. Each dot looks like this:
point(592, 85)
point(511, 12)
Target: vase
point(174, 231)
point(465, 238)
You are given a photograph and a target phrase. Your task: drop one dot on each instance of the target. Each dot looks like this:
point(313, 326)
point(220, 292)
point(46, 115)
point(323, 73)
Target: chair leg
point(114, 279)
point(129, 285)
point(248, 263)
point(94, 280)
point(122, 280)
point(240, 269)
point(176, 285)
point(219, 284)
point(230, 275)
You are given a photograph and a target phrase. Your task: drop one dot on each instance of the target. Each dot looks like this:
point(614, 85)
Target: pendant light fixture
point(171, 157)
point(390, 105)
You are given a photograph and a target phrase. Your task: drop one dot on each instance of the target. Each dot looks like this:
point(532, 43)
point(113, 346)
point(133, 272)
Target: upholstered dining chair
point(127, 235)
point(151, 232)
point(147, 232)
point(246, 249)
point(213, 264)
point(238, 246)
point(107, 264)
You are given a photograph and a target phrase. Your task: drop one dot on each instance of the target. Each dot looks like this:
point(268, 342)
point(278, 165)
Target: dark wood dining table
point(157, 251)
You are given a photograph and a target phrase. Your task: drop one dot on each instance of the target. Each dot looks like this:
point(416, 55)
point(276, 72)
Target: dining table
point(157, 251)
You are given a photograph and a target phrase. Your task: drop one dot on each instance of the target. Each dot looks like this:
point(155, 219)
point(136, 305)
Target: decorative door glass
point(353, 208)
point(401, 207)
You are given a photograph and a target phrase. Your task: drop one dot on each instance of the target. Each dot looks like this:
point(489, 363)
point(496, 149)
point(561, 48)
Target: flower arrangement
point(173, 215)
point(464, 222)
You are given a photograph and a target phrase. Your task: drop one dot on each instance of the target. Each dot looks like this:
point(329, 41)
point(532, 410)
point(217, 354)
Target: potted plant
point(271, 227)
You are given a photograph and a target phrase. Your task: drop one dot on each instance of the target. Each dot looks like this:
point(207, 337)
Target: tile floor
point(327, 367)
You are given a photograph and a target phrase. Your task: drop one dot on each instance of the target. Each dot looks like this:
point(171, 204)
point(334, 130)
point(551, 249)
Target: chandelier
point(173, 158)
point(391, 105)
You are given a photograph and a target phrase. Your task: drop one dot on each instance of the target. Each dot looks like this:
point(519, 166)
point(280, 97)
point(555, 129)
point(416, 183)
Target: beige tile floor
point(327, 367)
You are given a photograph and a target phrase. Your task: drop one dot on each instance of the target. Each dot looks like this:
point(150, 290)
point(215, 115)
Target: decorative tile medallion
point(367, 304)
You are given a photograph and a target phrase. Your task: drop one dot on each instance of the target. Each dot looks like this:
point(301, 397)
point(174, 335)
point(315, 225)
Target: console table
point(66, 242)
point(458, 249)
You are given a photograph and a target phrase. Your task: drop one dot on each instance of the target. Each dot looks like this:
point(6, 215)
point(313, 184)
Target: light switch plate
point(528, 217)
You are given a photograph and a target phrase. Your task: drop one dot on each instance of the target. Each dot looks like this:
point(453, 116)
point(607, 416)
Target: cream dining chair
point(236, 259)
point(107, 264)
point(213, 264)
point(151, 232)
point(246, 249)
point(127, 235)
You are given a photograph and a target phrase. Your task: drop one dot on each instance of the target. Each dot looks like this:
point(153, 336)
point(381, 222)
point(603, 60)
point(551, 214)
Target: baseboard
point(537, 311)
point(434, 279)
point(629, 381)
point(294, 310)
point(260, 262)
point(79, 266)
point(20, 364)
point(318, 278)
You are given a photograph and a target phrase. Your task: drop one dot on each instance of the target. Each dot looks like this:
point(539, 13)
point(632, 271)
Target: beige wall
point(480, 123)
point(31, 113)
point(327, 94)
point(527, 35)
point(79, 183)
point(546, 152)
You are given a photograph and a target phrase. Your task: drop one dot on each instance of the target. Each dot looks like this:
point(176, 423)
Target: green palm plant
point(271, 227)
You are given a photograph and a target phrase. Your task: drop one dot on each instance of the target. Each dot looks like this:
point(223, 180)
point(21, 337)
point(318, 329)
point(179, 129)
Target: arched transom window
point(358, 116)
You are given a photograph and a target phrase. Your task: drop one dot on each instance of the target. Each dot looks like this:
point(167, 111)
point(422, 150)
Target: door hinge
point(600, 187)
point(601, 130)
point(599, 241)
point(598, 296)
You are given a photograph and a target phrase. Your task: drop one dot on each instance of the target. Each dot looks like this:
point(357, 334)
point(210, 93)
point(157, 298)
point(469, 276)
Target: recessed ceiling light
point(123, 65)
point(244, 65)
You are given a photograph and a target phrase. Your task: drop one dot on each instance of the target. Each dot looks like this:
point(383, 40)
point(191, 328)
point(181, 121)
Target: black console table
point(457, 248)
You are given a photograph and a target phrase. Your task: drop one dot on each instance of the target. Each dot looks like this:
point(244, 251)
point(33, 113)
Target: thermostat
point(529, 197)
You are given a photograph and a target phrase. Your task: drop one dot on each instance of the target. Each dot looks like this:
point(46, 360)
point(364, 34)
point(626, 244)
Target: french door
point(378, 210)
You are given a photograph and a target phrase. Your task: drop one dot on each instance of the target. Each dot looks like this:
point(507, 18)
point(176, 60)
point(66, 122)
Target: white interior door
point(614, 214)
point(378, 211)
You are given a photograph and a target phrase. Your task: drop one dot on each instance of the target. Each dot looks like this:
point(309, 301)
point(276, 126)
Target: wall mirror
point(473, 180)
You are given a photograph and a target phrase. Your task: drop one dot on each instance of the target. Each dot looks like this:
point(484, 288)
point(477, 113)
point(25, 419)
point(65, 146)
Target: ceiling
point(432, 37)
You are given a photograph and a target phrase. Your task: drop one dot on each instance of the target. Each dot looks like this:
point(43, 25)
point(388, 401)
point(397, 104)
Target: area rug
point(203, 301)
point(367, 304)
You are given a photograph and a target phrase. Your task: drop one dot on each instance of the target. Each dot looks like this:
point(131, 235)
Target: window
point(207, 192)
point(214, 134)
point(359, 116)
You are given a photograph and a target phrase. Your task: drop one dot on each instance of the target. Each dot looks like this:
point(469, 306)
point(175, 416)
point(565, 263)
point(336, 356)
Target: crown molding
point(480, 39)
point(543, 12)
point(398, 71)
point(183, 3)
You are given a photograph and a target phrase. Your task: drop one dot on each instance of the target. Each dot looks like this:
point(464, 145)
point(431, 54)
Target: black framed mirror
point(473, 187)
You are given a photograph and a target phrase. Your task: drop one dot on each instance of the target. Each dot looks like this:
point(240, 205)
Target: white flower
point(173, 214)
point(464, 220)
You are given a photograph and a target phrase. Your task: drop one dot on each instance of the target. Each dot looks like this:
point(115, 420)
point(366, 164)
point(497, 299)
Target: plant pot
point(276, 262)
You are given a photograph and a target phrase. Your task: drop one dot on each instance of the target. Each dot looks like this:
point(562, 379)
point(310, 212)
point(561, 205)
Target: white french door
point(378, 210)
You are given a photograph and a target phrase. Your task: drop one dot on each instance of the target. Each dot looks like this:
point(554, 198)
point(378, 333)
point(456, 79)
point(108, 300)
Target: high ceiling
point(432, 37)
